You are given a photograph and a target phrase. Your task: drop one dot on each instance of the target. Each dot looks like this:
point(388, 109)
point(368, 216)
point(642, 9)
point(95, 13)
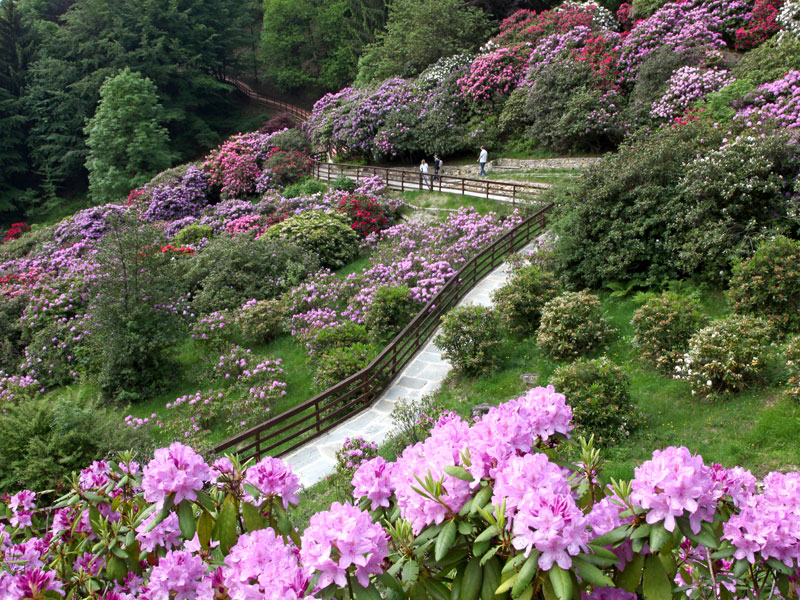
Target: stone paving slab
point(423, 375)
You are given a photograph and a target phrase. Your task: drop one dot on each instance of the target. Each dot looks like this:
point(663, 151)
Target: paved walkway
point(424, 374)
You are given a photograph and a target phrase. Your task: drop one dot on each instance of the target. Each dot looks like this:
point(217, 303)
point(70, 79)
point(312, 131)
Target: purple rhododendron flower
point(372, 480)
point(179, 576)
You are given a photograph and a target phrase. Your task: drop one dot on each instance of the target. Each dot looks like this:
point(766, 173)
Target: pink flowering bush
point(686, 86)
point(494, 75)
point(499, 491)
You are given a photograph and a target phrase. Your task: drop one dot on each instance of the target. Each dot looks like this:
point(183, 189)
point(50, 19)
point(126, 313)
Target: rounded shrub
point(341, 362)
point(768, 283)
point(663, 326)
point(600, 396)
point(193, 234)
point(572, 325)
point(262, 321)
point(727, 356)
point(391, 309)
point(304, 187)
point(327, 236)
point(341, 336)
point(791, 354)
point(520, 301)
point(469, 339)
point(344, 184)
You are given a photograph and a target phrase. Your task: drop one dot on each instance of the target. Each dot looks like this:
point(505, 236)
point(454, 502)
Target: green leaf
point(507, 584)
point(632, 574)
point(116, 568)
point(655, 583)
point(465, 528)
point(436, 589)
point(186, 519)
point(487, 534)
point(588, 572)
point(225, 529)
point(658, 537)
point(394, 590)
point(526, 573)
point(459, 473)
point(488, 555)
point(562, 582)
point(642, 531)
point(205, 525)
point(367, 593)
point(478, 548)
point(444, 540)
point(473, 577)
point(480, 499)
point(119, 552)
point(410, 571)
point(491, 579)
point(612, 537)
point(778, 566)
point(252, 517)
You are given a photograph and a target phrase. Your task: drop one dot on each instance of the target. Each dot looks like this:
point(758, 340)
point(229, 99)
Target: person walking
point(437, 164)
point(423, 168)
point(484, 156)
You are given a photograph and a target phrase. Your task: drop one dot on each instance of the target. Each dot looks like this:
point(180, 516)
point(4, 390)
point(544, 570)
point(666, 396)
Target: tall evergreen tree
point(127, 142)
point(16, 49)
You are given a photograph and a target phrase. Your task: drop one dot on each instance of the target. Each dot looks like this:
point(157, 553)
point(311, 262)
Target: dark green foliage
point(127, 141)
point(16, 51)
point(341, 362)
point(600, 396)
point(135, 321)
point(420, 32)
point(326, 236)
point(559, 104)
point(304, 187)
point(470, 337)
point(521, 299)
point(770, 61)
point(664, 324)
point(613, 225)
point(180, 47)
point(344, 183)
point(44, 440)
point(11, 345)
point(309, 43)
point(768, 284)
point(392, 308)
point(572, 325)
point(229, 271)
point(291, 140)
point(341, 336)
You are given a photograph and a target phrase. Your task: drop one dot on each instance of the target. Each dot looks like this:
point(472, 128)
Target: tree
point(127, 142)
point(16, 49)
point(420, 32)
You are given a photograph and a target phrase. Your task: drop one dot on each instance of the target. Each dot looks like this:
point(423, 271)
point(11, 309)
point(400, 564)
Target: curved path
point(424, 374)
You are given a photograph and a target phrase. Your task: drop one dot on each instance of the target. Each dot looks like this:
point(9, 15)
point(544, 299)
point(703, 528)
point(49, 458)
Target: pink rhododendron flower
point(177, 469)
point(179, 576)
point(342, 537)
point(272, 476)
point(372, 480)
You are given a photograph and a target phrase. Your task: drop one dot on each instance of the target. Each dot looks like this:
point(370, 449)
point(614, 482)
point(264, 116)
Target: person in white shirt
point(482, 160)
point(423, 168)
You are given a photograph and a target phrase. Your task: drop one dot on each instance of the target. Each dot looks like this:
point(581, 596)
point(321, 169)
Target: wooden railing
point(403, 180)
point(300, 114)
point(293, 428)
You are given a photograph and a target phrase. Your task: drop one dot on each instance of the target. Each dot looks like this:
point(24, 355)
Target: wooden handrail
point(400, 179)
point(300, 113)
point(352, 395)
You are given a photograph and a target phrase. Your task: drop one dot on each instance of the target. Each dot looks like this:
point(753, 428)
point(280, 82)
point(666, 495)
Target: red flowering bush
point(527, 26)
point(16, 230)
point(366, 214)
point(602, 53)
point(761, 25)
point(285, 167)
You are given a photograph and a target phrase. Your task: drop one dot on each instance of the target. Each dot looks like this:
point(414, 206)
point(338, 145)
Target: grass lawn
point(536, 175)
point(442, 200)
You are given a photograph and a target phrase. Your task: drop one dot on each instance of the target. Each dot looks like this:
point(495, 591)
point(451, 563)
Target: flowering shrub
point(178, 198)
point(284, 167)
point(15, 231)
point(326, 236)
point(791, 354)
point(768, 284)
point(261, 321)
point(727, 356)
point(572, 325)
point(18, 388)
point(495, 75)
point(663, 326)
point(366, 214)
point(469, 338)
point(789, 18)
point(181, 528)
point(776, 103)
point(413, 419)
point(686, 86)
point(761, 23)
point(353, 453)
point(391, 309)
point(600, 398)
point(214, 329)
point(521, 299)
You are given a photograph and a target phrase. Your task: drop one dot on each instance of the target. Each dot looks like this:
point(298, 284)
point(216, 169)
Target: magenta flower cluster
point(177, 470)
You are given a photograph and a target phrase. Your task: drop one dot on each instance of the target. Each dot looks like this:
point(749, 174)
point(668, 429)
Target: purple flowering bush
point(491, 505)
